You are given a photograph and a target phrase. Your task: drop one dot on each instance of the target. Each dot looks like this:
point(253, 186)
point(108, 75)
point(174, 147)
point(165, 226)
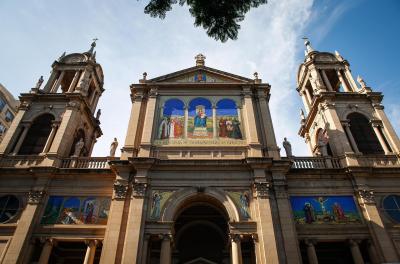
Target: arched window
point(364, 135)
point(9, 206)
point(37, 135)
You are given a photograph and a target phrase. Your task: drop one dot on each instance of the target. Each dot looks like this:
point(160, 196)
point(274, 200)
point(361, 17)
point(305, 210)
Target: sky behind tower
point(365, 32)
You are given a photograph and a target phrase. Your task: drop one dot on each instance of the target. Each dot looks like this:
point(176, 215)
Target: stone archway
point(201, 234)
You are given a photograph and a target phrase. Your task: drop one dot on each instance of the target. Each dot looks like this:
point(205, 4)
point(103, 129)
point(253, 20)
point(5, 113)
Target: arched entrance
point(201, 234)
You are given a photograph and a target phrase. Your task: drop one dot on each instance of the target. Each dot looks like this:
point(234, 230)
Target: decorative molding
point(35, 197)
point(120, 190)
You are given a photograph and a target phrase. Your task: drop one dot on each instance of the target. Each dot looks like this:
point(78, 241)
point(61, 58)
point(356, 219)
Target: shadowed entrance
point(201, 235)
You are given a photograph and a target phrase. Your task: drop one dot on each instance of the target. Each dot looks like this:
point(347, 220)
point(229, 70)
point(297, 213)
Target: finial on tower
point(62, 56)
point(308, 45)
point(93, 45)
point(200, 59)
point(338, 56)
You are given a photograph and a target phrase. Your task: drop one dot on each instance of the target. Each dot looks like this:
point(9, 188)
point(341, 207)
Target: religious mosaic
point(197, 118)
point(325, 210)
point(242, 201)
point(158, 199)
point(76, 210)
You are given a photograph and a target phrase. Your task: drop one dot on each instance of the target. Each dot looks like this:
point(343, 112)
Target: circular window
point(391, 205)
point(9, 206)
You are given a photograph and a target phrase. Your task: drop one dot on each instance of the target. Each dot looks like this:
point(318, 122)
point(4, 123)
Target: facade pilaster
point(90, 251)
point(13, 131)
point(214, 118)
point(185, 132)
point(165, 255)
point(145, 144)
point(251, 127)
point(392, 137)
point(380, 236)
point(267, 246)
point(20, 240)
point(133, 134)
point(288, 227)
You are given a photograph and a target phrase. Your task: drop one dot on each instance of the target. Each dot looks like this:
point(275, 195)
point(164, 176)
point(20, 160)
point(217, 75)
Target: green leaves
point(220, 18)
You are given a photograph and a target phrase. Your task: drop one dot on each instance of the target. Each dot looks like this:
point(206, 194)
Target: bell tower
point(58, 120)
point(341, 116)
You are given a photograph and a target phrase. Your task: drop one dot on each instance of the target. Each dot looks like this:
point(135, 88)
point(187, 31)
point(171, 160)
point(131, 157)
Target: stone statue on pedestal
point(78, 147)
point(39, 82)
point(113, 147)
point(288, 148)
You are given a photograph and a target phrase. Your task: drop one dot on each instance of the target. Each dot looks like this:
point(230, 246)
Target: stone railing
point(378, 160)
point(86, 163)
point(315, 163)
point(20, 161)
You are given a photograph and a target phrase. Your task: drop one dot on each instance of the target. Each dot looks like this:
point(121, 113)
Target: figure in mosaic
point(156, 210)
point(244, 204)
point(163, 130)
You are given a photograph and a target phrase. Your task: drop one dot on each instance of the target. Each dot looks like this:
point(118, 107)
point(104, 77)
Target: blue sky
point(34, 33)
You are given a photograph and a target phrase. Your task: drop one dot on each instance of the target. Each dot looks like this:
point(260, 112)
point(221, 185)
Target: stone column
point(370, 211)
point(74, 81)
point(136, 117)
point(185, 132)
point(46, 251)
point(50, 82)
point(305, 101)
point(14, 130)
point(267, 246)
point(23, 232)
point(111, 237)
point(236, 249)
point(353, 143)
point(388, 128)
point(311, 254)
point(50, 139)
point(380, 138)
point(58, 82)
point(90, 251)
point(349, 77)
point(373, 256)
point(21, 138)
point(133, 248)
point(343, 81)
point(289, 233)
point(145, 249)
point(145, 144)
point(251, 126)
point(309, 97)
point(165, 255)
point(355, 252)
point(214, 118)
point(326, 81)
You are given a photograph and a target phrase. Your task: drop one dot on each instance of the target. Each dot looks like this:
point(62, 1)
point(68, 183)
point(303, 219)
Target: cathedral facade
point(200, 178)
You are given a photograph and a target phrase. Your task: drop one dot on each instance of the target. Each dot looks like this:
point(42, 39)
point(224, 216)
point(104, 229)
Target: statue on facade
point(39, 82)
point(78, 147)
point(98, 114)
point(322, 147)
point(113, 147)
point(361, 81)
point(288, 147)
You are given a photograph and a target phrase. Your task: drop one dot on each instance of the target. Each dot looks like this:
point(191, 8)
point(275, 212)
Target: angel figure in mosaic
point(244, 204)
point(156, 210)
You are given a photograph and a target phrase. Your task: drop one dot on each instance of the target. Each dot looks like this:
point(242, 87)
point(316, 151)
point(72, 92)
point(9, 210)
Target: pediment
point(200, 261)
point(200, 74)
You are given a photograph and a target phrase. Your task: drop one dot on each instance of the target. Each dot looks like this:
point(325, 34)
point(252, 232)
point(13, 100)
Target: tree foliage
point(220, 18)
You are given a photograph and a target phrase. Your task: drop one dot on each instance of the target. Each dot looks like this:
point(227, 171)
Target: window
point(37, 135)
point(9, 206)
point(391, 206)
point(364, 135)
point(9, 116)
point(2, 129)
point(2, 103)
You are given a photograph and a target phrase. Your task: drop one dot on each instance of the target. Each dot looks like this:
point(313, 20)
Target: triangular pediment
point(200, 74)
point(200, 261)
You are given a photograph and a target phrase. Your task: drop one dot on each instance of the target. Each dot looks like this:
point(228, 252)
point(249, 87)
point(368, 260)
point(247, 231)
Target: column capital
point(366, 195)
point(262, 189)
point(234, 237)
point(35, 196)
point(48, 241)
point(120, 190)
point(164, 237)
point(92, 242)
point(153, 92)
point(280, 189)
point(353, 242)
point(310, 242)
point(139, 189)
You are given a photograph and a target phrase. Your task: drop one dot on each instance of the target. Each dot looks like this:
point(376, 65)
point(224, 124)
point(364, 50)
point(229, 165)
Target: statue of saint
point(361, 81)
point(113, 147)
point(39, 82)
point(288, 147)
point(78, 147)
point(98, 114)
